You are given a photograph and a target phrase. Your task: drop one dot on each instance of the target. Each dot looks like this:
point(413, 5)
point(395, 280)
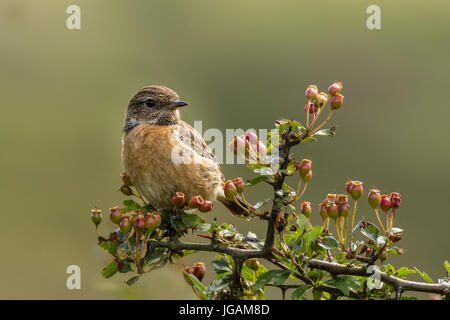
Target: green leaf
point(344, 283)
point(329, 243)
point(191, 220)
point(371, 232)
point(325, 132)
point(221, 266)
point(278, 277)
point(258, 179)
point(204, 227)
point(109, 270)
point(396, 230)
point(424, 275)
point(317, 294)
point(447, 266)
point(199, 287)
point(261, 203)
point(403, 272)
point(124, 266)
point(389, 269)
point(132, 280)
point(299, 292)
point(381, 240)
point(130, 205)
point(303, 222)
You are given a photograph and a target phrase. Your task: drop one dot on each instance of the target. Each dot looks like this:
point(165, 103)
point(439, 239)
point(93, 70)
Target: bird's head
point(153, 105)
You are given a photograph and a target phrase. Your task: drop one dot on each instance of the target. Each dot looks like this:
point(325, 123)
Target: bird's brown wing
point(193, 139)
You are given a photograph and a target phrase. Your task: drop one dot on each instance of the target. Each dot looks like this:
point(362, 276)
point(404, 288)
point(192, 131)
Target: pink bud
point(311, 92)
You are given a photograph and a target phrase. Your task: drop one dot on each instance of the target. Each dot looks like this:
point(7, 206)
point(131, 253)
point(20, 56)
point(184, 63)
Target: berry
point(96, 216)
point(305, 167)
point(395, 200)
point(335, 88)
point(206, 206)
point(342, 202)
point(357, 190)
point(322, 99)
point(336, 101)
point(126, 190)
point(311, 92)
point(199, 270)
point(125, 225)
point(306, 208)
point(229, 189)
point(195, 202)
point(307, 176)
point(374, 198)
point(332, 210)
point(323, 210)
point(115, 215)
point(126, 180)
point(139, 224)
point(385, 203)
point(239, 184)
point(178, 199)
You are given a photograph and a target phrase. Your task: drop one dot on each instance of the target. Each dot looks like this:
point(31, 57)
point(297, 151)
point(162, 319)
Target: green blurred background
point(240, 64)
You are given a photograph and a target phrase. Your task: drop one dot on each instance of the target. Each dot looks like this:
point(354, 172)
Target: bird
point(162, 154)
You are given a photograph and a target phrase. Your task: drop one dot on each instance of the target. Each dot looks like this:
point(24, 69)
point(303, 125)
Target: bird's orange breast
point(147, 156)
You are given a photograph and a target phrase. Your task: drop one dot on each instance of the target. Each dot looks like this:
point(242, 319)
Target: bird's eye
point(149, 103)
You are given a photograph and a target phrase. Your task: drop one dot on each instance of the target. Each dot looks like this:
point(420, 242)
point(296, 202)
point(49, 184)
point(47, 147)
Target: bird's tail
point(239, 207)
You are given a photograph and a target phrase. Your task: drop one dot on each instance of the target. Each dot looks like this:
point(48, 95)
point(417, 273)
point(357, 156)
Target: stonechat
point(162, 154)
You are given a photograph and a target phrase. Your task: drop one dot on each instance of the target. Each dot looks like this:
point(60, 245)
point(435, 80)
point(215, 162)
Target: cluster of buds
point(231, 188)
point(304, 169)
point(142, 222)
point(316, 99)
point(195, 202)
point(386, 203)
point(198, 270)
point(249, 147)
point(126, 185)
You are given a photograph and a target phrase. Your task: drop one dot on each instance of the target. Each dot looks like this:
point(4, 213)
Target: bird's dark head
point(153, 105)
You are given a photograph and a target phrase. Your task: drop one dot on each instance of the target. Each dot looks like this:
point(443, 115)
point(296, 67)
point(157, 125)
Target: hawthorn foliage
point(347, 256)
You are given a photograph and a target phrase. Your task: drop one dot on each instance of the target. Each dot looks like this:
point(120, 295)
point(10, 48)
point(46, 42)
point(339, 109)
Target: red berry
point(311, 92)
point(323, 210)
point(206, 206)
point(385, 203)
point(199, 270)
point(321, 100)
point(336, 101)
point(342, 202)
point(178, 199)
point(395, 200)
point(239, 184)
point(332, 210)
point(139, 224)
point(336, 87)
point(196, 201)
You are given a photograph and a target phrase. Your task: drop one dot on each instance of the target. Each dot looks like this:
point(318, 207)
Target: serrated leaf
point(278, 277)
point(325, 132)
point(329, 243)
point(130, 205)
point(109, 270)
point(424, 275)
point(303, 222)
point(447, 266)
point(199, 287)
point(221, 266)
point(124, 266)
point(344, 283)
point(261, 203)
point(191, 220)
point(403, 272)
point(371, 231)
point(299, 292)
point(396, 230)
point(132, 280)
point(256, 180)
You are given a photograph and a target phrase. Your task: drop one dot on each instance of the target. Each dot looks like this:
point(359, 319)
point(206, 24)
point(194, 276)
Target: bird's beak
point(178, 104)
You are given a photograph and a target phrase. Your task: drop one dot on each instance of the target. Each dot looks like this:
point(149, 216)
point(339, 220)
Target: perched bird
point(162, 154)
